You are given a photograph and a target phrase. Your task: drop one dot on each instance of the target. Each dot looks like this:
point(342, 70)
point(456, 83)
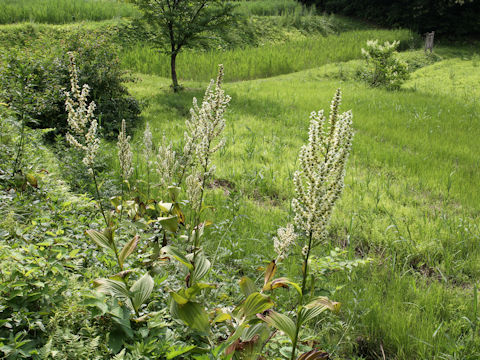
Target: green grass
point(63, 11)
point(262, 61)
point(270, 7)
point(411, 199)
point(458, 78)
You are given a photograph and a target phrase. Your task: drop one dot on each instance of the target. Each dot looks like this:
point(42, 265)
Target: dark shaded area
point(448, 18)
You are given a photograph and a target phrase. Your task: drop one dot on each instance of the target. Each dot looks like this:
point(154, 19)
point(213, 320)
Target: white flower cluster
point(374, 48)
point(194, 191)
point(167, 163)
point(148, 145)
point(80, 118)
point(205, 126)
point(281, 243)
point(124, 152)
point(319, 181)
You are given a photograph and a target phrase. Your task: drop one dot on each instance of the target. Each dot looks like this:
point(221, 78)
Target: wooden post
point(429, 41)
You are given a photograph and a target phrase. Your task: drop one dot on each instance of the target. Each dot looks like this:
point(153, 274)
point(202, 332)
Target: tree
point(180, 24)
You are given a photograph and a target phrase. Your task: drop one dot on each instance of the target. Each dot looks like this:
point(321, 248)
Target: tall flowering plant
point(82, 124)
point(318, 185)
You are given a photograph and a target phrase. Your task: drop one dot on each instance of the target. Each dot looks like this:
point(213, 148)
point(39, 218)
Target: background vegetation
point(447, 18)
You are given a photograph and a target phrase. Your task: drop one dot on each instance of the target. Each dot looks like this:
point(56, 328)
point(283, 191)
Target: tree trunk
point(173, 58)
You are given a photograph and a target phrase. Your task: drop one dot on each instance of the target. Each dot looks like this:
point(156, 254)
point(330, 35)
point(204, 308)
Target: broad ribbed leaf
point(169, 223)
point(100, 239)
point(322, 300)
point(112, 287)
point(141, 290)
point(122, 274)
point(247, 286)
point(164, 207)
point(178, 298)
point(310, 313)
point(253, 330)
point(280, 322)
point(192, 314)
point(177, 255)
point(222, 317)
point(127, 250)
point(316, 307)
point(194, 290)
point(281, 282)
point(254, 304)
point(202, 266)
point(270, 272)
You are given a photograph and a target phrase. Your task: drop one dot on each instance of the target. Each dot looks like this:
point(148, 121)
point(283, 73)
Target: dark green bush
point(33, 81)
point(448, 18)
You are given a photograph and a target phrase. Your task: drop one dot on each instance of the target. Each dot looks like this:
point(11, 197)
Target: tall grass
point(270, 7)
point(63, 11)
point(259, 62)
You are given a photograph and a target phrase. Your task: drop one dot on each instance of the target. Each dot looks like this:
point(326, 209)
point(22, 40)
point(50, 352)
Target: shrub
point(42, 98)
point(383, 66)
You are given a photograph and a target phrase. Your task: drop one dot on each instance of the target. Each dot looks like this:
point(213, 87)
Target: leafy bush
point(383, 67)
point(34, 82)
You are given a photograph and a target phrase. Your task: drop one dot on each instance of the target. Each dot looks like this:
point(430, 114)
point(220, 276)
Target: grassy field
point(411, 201)
point(63, 11)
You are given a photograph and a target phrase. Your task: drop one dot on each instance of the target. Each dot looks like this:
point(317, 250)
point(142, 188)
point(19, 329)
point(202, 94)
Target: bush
point(33, 82)
point(383, 67)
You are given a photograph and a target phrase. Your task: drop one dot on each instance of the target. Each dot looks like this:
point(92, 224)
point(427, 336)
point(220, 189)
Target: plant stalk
point(300, 300)
point(98, 197)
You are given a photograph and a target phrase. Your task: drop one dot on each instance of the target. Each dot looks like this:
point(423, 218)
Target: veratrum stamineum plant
point(125, 159)
point(204, 129)
point(83, 136)
point(383, 66)
point(83, 125)
point(195, 168)
point(318, 185)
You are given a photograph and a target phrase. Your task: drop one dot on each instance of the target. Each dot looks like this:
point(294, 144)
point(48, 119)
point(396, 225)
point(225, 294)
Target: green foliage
point(41, 77)
point(63, 11)
point(182, 23)
point(383, 66)
point(45, 275)
point(449, 18)
point(270, 7)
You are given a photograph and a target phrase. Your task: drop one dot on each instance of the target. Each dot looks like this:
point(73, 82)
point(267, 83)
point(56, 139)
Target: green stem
point(98, 197)
point(115, 250)
point(18, 158)
point(121, 199)
point(197, 214)
point(300, 300)
point(148, 181)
